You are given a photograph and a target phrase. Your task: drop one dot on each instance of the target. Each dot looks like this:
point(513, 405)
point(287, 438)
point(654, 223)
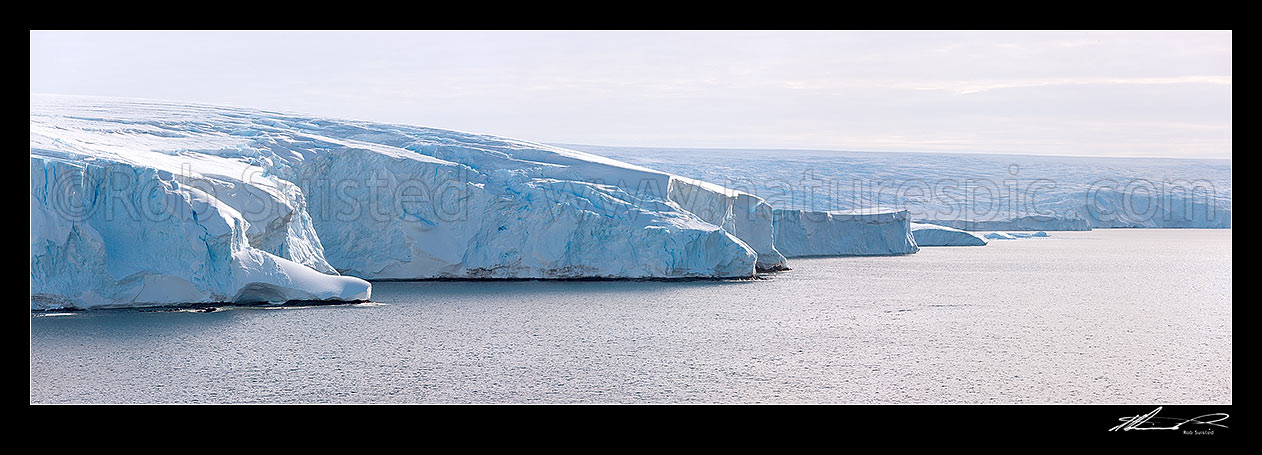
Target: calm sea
point(1107, 316)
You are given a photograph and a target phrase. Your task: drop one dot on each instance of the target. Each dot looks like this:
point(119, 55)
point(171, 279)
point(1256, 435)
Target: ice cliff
point(746, 216)
point(856, 233)
point(88, 250)
point(138, 202)
point(934, 235)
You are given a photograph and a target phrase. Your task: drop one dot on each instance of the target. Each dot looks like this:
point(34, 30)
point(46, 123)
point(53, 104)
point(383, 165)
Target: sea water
point(1106, 316)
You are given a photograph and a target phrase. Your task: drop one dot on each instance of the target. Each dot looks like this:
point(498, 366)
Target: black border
point(1015, 426)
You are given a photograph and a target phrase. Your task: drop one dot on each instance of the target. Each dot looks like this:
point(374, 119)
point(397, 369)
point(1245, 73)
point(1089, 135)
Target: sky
point(1085, 93)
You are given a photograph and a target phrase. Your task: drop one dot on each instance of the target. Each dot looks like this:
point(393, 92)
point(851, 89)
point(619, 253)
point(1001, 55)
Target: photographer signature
point(1150, 421)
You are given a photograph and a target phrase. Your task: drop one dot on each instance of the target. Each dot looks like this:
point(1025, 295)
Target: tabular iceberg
point(934, 235)
point(857, 233)
point(190, 203)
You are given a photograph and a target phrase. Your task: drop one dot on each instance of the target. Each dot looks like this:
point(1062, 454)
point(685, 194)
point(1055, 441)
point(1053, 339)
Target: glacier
point(873, 232)
point(141, 202)
point(934, 235)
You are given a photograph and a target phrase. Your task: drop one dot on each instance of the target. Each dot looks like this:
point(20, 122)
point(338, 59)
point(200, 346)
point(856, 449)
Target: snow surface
point(934, 235)
point(875, 232)
point(272, 207)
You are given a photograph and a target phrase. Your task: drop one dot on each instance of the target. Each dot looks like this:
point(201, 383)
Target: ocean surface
point(1106, 316)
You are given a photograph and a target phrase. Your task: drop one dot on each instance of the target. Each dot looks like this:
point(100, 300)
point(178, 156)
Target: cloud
point(817, 89)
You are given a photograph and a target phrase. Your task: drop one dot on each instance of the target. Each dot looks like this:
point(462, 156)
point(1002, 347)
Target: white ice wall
point(170, 244)
point(808, 233)
point(460, 222)
point(746, 216)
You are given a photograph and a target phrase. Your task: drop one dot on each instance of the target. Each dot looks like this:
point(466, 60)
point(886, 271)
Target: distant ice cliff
point(934, 235)
point(860, 233)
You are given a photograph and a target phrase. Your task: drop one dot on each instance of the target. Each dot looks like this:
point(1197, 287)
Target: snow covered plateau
point(147, 203)
point(983, 192)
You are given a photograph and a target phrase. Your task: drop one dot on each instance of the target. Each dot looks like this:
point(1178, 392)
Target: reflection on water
point(1107, 316)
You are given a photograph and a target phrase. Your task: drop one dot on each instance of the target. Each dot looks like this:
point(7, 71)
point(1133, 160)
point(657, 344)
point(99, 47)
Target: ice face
point(89, 251)
point(876, 232)
point(452, 220)
point(746, 216)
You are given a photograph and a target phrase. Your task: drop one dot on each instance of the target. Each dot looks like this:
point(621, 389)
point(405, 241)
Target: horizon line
point(933, 152)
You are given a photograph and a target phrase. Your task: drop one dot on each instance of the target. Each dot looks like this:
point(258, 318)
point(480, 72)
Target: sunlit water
point(1107, 316)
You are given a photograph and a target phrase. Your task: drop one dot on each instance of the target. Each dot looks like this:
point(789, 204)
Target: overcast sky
point(1145, 93)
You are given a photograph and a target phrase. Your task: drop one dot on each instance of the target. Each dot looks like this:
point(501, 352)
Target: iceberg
point(138, 202)
point(934, 235)
point(843, 233)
